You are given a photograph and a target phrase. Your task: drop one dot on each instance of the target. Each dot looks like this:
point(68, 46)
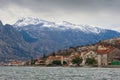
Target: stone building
point(102, 53)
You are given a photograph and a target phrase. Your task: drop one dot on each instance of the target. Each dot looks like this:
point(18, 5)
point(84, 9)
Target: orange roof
point(50, 57)
point(16, 62)
point(101, 51)
point(58, 58)
point(111, 48)
point(54, 58)
point(105, 51)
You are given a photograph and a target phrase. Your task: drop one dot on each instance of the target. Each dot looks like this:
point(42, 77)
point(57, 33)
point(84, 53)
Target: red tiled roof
point(16, 62)
point(101, 51)
point(50, 57)
point(54, 58)
point(105, 51)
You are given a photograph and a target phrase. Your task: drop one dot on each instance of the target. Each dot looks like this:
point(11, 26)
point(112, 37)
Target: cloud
point(103, 13)
point(84, 5)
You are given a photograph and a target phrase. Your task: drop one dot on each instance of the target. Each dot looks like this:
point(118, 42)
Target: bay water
point(58, 73)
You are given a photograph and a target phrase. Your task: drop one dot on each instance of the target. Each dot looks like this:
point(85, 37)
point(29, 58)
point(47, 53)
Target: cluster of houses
point(103, 55)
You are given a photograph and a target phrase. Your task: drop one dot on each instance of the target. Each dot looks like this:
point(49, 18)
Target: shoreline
point(109, 66)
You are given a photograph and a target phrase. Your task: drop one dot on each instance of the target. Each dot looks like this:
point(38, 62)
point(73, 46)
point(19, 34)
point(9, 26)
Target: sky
point(102, 13)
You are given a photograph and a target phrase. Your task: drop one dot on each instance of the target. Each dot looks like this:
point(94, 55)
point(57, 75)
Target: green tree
point(77, 60)
point(33, 62)
point(91, 61)
point(64, 62)
point(56, 62)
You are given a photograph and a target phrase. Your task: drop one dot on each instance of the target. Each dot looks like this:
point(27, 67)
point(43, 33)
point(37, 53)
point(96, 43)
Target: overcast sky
point(104, 13)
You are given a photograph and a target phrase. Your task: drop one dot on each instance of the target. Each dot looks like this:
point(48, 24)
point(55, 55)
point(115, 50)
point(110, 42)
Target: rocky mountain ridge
point(29, 38)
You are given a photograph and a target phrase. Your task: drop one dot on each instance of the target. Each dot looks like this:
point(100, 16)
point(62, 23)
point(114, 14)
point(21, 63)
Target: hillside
point(103, 53)
point(33, 37)
point(46, 36)
point(12, 45)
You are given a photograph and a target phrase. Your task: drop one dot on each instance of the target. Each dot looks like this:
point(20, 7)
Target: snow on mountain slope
point(31, 37)
point(32, 21)
point(64, 26)
point(46, 37)
point(84, 28)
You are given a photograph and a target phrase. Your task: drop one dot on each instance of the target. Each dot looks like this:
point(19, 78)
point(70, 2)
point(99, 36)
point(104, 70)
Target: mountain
point(12, 44)
point(33, 37)
point(39, 23)
point(109, 50)
point(115, 42)
point(46, 37)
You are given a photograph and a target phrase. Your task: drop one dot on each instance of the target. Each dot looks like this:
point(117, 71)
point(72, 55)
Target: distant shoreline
point(109, 66)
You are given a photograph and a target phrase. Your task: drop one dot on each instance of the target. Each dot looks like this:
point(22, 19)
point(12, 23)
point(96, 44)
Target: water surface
point(58, 73)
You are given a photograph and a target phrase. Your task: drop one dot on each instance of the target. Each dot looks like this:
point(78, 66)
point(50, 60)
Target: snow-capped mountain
point(46, 36)
point(31, 37)
point(33, 21)
point(64, 26)
point(84, 28)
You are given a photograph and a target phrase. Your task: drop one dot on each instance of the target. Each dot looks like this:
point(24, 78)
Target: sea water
point(58, 73)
